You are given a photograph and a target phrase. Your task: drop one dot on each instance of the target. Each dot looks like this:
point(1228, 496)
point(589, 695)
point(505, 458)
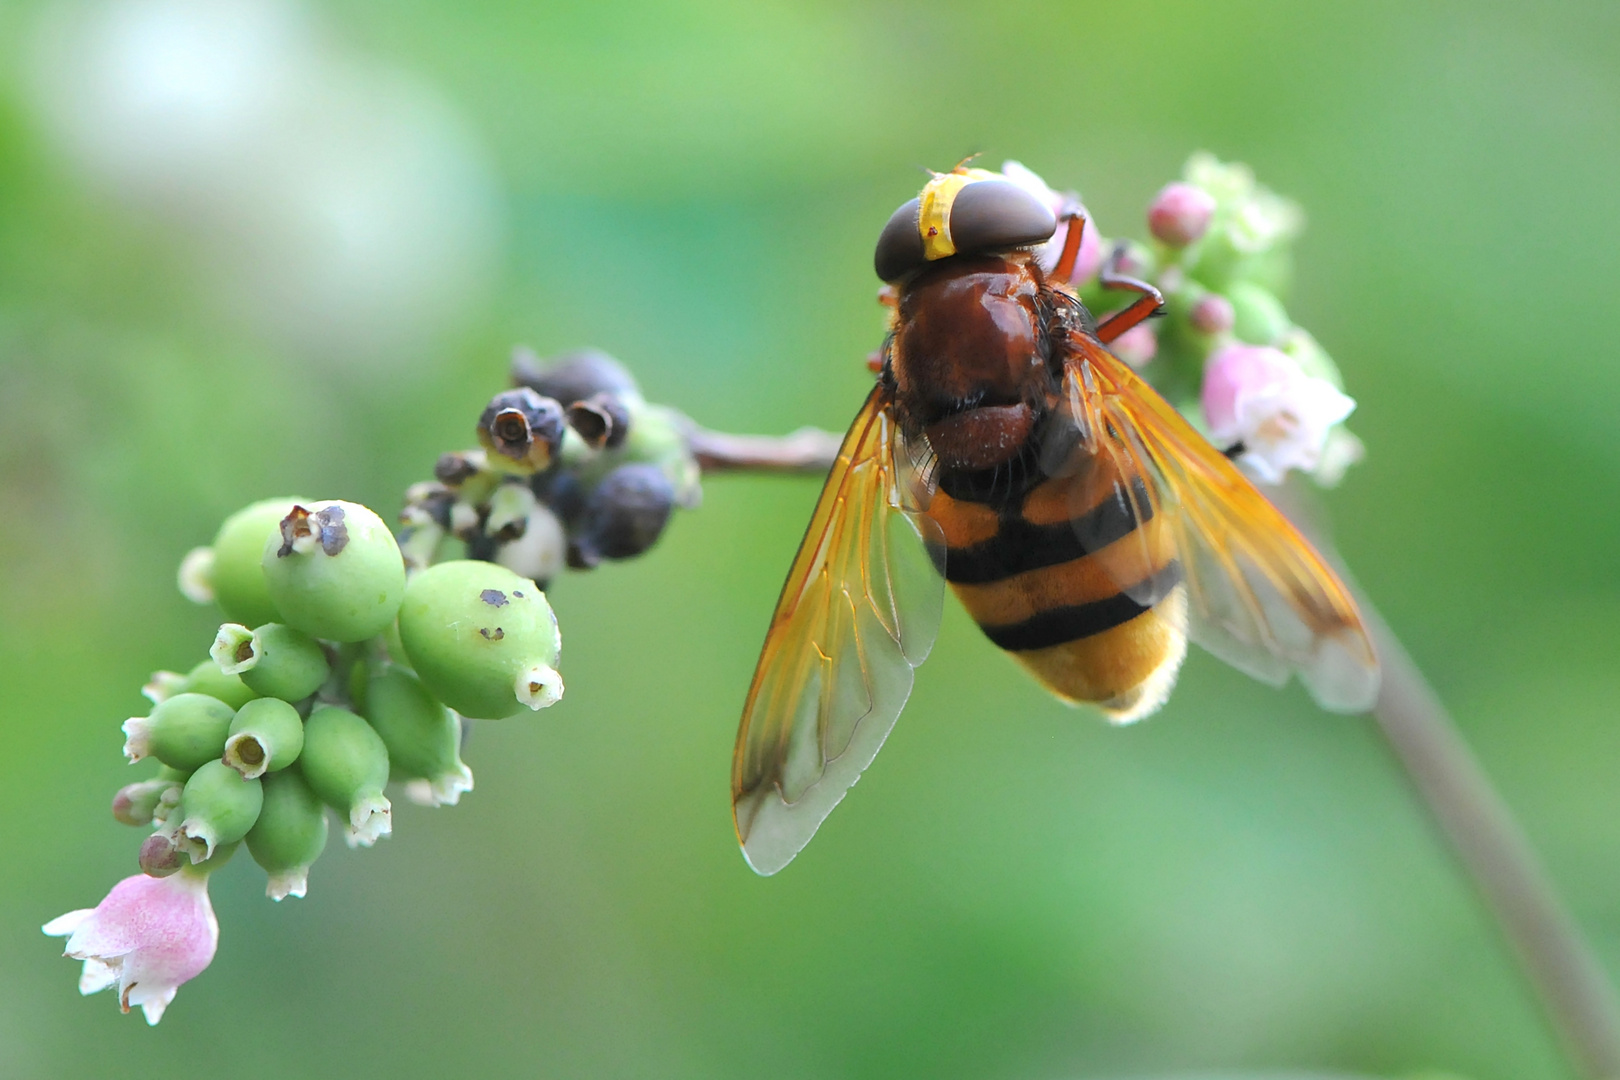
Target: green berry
point(1258, 317)
point(483, 640)
point(346, 763)
point(207, 678)
point(236, 575)
point(272, 661)
point(217, 807)
point(290, 833)
point(423, 737)
point(184, 731)
point(266, 736)
point(335, 571)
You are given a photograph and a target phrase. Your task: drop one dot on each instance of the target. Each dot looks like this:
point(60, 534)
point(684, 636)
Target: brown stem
point(1573, 989)
point(807, 450)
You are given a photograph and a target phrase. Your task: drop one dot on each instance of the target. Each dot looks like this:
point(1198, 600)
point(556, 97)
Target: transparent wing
point(1259, 596)
point(859, 611)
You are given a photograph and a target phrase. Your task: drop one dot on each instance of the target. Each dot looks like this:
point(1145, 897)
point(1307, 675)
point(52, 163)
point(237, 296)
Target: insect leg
point(1143, 306)
point(1071, 244)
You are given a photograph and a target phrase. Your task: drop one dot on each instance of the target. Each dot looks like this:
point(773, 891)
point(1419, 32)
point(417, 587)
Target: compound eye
point(900, 245)
point(998, 214)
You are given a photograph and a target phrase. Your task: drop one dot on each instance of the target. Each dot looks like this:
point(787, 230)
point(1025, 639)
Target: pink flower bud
point(1257, 397)
point(1136, 346)
point(1180, 213)
point(148, 936)
point(1212, 314)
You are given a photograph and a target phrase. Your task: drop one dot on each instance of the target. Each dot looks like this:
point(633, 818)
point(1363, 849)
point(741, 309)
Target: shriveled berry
point(573, 376)
point(483, 640)
point(521, 430)
point(624, 515)
point(334, 571)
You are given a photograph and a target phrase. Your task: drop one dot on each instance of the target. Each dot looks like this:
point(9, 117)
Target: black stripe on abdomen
point(1059, 625)
point(1019, 546)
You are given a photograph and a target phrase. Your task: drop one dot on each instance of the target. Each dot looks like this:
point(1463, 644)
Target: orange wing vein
point(859, 611)
point(1259, 596)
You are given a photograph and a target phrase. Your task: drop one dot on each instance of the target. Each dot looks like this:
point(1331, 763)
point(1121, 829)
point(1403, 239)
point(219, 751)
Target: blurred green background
point(248, 249)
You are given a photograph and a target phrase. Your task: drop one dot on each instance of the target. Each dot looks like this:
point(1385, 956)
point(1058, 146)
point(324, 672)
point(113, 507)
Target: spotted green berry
point(483, 640)
point(334, 571)
point(346, 763)
point(423, 737)
point(290, 833)
point(266, 736)
point(272, 661)
point(183, 731)
point(217, 807)
point(237, 576)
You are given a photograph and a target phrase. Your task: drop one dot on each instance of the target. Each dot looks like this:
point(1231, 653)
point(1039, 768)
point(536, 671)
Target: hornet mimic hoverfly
point(1084, 524)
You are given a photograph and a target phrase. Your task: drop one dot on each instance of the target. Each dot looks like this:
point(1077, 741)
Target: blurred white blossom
point(334, 203)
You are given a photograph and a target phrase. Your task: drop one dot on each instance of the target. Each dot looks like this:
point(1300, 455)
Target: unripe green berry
point(266, 736)
point(483, 640)
point(423, 737)
point(207, 678)
point(335, 571)
point(1258, 317)
point(236, 575)
point(346, 763)
point(184, 731)
point(272, 661)
point(217, 807)
point(290, 833)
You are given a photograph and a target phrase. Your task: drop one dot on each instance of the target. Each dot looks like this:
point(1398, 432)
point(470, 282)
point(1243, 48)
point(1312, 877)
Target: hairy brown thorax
point(968, 358)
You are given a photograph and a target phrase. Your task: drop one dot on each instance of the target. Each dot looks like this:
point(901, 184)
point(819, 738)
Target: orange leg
point(1149, 303)
point(1071, 245)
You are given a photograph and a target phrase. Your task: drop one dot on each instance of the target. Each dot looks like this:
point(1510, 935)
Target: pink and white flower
point(1090, 256)
point(148, 936)
point(1258, 396)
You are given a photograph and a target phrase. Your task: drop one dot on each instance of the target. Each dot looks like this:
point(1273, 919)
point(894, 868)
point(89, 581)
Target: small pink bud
point(1212, 314)
point(1136, 346)
point(1180, 213)
point(148, 937)
point(160, 855)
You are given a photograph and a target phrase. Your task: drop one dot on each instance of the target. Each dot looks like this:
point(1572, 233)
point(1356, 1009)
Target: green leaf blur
point(1014, 890)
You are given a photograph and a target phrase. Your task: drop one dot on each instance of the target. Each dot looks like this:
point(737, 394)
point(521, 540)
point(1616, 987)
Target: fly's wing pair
point(859, 611)
point(1259, 596)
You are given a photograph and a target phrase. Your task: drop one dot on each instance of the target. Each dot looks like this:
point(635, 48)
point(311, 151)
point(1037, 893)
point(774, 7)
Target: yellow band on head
point(934, 209)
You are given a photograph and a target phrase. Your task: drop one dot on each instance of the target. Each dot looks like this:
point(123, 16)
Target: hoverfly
point(1085, 525)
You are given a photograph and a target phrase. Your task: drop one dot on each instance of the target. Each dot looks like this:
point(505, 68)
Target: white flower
point(148, 936)
point(1255, 395)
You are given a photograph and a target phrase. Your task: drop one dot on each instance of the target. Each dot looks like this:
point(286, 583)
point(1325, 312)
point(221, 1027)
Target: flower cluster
point(1226, 351)
point(335, 674)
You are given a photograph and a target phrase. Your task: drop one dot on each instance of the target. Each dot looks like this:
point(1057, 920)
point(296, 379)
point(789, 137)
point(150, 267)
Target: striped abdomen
point(1074, 583)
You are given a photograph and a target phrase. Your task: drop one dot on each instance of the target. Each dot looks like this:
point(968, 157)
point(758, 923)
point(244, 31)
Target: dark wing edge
point(859, 611)
point(1259, 595)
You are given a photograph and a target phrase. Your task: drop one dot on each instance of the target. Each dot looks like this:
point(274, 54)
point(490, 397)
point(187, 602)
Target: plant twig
point(807, 450)
point(1573, 988)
